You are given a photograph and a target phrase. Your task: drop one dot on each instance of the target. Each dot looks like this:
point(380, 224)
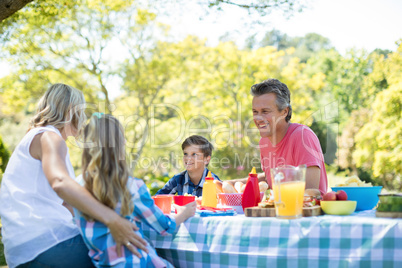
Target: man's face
point(266, 115)
point(194, 159)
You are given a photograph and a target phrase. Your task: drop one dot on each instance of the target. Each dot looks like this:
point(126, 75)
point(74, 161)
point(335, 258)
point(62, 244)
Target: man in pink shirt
point(283, 142)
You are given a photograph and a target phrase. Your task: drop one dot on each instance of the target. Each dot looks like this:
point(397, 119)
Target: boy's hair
point(205, 146)
point(61, 104)
point(104, 168)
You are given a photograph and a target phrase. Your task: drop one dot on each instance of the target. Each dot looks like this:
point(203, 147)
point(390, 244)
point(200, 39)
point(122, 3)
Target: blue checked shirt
point(181, 184)
point(102, 247)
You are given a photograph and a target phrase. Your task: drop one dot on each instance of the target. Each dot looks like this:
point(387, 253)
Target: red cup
point(182, 200)
point(163, 202)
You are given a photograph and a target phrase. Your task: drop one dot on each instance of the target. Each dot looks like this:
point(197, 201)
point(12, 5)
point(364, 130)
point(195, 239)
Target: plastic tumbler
point(182, 200)
point(163, 202)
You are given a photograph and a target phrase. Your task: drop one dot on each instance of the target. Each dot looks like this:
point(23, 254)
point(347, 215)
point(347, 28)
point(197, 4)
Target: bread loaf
point(243, 187)
point(228, 188)
point(218, 185)
point(238, 186)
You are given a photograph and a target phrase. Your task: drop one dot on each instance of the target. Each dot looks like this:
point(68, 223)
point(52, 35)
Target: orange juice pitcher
point(288, 183)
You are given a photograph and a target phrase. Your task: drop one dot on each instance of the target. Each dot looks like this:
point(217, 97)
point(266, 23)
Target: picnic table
point(357, 240)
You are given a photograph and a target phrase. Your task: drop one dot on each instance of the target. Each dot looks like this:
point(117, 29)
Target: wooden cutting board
point(388, 214)
point(270, 212)
point(259, 212)
point(312, 211)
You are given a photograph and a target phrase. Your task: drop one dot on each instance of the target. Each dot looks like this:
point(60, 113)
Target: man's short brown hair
point(205, 146)
point(279, 89)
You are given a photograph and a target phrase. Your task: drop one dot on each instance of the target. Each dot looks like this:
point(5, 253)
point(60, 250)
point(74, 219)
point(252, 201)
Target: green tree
point(347, 142)
point(67, 45)
point(305, 47)
point(75, 48)
point(4, 155)
point(378, 146)
point(262, 8)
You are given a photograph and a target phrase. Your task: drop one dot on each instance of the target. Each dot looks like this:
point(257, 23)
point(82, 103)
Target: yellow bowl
point(338, 207)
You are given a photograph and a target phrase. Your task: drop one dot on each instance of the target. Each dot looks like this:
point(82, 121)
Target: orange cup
point(163, 202)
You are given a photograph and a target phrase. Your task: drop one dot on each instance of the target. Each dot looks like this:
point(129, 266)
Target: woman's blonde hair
point(104, 168)
point(60, 105)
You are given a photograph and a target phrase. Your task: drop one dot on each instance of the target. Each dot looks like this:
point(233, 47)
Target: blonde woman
point(106, 177)
point(38, 230)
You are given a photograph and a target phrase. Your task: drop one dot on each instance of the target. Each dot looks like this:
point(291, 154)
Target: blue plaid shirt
point(101, 245)
point(181, 184)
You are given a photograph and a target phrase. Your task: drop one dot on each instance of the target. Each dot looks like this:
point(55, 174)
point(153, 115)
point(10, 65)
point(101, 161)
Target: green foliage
point(347, 142)
point(327, 139)
point(154, 183)
point(263, 7)
point(305, 47)
point(345, 77)
point(2, 257)
point(378, 145)
point(173, 89)
point(4, 157)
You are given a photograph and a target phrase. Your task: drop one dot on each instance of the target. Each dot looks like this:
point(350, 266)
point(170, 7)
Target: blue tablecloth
point(358, 240)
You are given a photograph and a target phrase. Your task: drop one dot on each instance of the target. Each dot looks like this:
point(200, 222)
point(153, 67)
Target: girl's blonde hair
point(104, 168)
point(60, 105)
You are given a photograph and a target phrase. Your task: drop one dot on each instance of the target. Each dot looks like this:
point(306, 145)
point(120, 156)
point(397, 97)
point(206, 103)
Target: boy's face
point(194, 158)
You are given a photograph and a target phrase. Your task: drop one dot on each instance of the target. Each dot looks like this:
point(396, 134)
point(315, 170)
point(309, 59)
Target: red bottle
point(251, 195)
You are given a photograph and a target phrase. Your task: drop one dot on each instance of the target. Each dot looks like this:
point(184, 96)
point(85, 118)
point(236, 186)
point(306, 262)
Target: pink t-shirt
point(299, 146)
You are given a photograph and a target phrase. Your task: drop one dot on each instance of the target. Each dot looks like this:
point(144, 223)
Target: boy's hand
point(184, 212)
point(187, 210)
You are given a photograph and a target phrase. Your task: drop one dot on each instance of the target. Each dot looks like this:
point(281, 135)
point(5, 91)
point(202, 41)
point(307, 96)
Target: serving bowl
point(366, 197)
point(338, 207)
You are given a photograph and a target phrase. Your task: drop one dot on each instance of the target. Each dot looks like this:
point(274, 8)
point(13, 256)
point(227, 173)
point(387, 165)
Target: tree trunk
point(9, 7)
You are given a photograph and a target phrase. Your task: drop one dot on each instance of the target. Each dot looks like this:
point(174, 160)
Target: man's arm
point(313, 177)
point(261, 177)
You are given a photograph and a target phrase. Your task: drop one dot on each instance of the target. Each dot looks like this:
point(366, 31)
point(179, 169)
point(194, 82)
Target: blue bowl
point(366, 197)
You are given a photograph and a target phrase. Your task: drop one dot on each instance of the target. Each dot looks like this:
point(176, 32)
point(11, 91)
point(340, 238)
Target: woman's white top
point(32, 214)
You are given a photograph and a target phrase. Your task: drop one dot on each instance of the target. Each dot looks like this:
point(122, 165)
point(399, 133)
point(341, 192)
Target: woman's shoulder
point(46, 128)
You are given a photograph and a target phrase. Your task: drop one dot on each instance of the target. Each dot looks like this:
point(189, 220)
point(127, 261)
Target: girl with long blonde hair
point(105, 175)
point(38, 185)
